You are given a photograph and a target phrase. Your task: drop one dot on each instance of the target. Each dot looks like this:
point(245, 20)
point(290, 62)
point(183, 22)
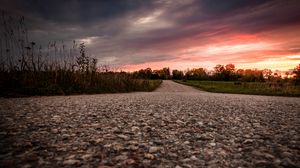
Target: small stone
point(194, 158)
point(135, 129)
point(248, 141)
point(158, 142)
point(287, 154)
point(71, 162)
point(129, 162)
point(107, 145)
point(71, 157)
point(277, 161)
point(186, 143)
point(173, 155)
point(212, 144)
point(204, 137)
point(120, 157)
point(200, 123)
point(149, 156)
point(30, 157)
point(133, 142)
point(123, 136)
point(65, 136)
point(146, 162)
point(133, 147)
point(286, 162)
point(86, 156)
point(95, 125)
point(98, 141)
point(256, 124)
point(58, 158)
point(264, 155)
point(269, 156)
point(187, 165)
point(154, 149)
point(26, 166)
point(118, 147)
point(186, 160)
point(54, 131)
point(177, 166)
point(28, 145)
point(262, 163)
point(179, 122)
point(247, 136)
point(116, 130)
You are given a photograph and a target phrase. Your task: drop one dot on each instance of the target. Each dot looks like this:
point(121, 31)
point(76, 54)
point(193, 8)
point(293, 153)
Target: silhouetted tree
point(176, 74)
point(229, 73)
point(253, 75)
point(219, 68)
point(144, 73)
point(267, 73)
point(297, 74)
point(196, 74)
point(166, 74)
point(219, 72)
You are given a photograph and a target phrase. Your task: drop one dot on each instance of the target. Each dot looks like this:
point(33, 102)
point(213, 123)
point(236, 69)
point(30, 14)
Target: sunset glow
point(176, 34)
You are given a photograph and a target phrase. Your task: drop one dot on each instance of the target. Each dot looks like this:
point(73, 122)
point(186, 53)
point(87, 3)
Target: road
point(174, 126)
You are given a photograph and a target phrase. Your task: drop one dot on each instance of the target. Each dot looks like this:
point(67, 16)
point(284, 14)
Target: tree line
point(220, 73)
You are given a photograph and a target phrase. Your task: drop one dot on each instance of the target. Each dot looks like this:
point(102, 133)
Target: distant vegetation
point(227, 79)
point(257, 88)
point(222, 73)
point(30, 69)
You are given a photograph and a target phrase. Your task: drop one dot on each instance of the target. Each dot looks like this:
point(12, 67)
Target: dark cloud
point(139, 31)
point(77, 11)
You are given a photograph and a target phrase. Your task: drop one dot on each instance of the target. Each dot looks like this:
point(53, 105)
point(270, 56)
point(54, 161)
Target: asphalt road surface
point(174, 126)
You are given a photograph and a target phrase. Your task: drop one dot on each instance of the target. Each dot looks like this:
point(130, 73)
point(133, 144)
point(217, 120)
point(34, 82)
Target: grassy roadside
point(253, 88)
point(22, 84)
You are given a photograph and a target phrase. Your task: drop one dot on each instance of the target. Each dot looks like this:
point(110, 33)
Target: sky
point(180, 34)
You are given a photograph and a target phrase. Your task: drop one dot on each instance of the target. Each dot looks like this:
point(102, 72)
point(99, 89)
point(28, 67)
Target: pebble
point(149, 156)
point(71, 162)
point(154, 149)
point(121, 157)
point(212, 144)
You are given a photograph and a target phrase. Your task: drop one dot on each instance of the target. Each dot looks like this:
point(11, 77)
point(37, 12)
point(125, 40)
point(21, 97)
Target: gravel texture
point(174, 126)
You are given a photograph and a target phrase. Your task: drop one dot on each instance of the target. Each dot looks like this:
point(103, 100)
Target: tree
point(297, 73)
point(166, 73)
point(230, 68)
point(225, 72)
point(229, 72)
point(176, 74)
point(219, 68)
point(253, 75)
point(198, 74)
point(144, 73)
point(267, 73)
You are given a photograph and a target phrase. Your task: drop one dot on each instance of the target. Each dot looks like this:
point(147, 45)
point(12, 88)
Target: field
point(255, 88)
